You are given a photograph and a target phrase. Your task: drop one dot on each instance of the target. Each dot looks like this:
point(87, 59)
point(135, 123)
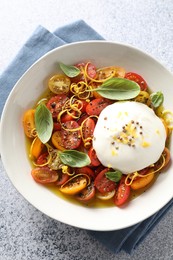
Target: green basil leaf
point(157, 99)
point(43, 123)
point(118, 89)
point(70, 71)
point(114, 176)
point(74, 158)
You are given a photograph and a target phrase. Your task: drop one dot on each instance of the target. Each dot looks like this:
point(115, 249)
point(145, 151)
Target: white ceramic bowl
point(13, 149)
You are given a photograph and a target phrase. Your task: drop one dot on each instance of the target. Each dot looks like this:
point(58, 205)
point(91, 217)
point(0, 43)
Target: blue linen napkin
point(40, 42)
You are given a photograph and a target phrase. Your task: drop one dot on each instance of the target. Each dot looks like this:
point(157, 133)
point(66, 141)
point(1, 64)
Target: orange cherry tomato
point(142, 182)
point(74, 185)
point(36, 147)
point(57, 141)
point(42, 159)
point(29, 123)
point(44, 175)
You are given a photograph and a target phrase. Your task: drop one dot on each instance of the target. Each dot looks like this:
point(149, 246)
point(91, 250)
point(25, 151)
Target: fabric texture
point(38, 44)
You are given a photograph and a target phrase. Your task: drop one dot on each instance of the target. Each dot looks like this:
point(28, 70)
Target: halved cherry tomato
point(106, 72)
point(62, 179)
point(86, 194)
point(142, 182)
point(88, 130)
point(56, 126)
point(59, 84)
point(84, 104)
point(44, 175)
point(96, 106)
point(66, 139)
point(122, 193)
point(86, 170)
point(57, 140)
point(138, 79)
point(93, 157)
point(74, 185)
point(56, 103)
point(91, 70)
point(36, 147)
point(106, 196)
point(42, 159)
point(82, 118)
point(29, 123)
point(66, 117)
point(102, 183)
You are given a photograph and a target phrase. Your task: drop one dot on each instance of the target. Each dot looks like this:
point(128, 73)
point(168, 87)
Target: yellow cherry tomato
point(29, 123)
point(59, 84)
point(105, 196)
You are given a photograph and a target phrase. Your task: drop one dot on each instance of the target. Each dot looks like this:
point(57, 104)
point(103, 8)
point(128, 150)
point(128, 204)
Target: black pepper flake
point(105, 118)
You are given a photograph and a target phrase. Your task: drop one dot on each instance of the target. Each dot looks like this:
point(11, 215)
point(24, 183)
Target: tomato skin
point(44, 175)
point(102, 183)
point(93, 157)
point(88, 128)
point(66, 117)
point(86, 170)
point(59, 84)
point(91, 70)
point(122, 194)
point(62, 179)
point(56, 103)
point(65, 139)
point(86, 194)
point(29, 122)
point(138, 79)
point(74, 185)
point(96, 106)
point(42, 159)
point(56, 126)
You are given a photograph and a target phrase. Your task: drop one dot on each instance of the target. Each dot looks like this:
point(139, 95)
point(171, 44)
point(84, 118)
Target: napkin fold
point(39, 43)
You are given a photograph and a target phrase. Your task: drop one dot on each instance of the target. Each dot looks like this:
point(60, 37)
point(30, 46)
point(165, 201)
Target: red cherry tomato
point(138, 79)
point(86, 194)
point(91, 71)
point(42, 159)
point(122, 193)
point(66, 117)
point(70, 139)
point(96, 106)
point(86, 170)
point(62, 179)
point(82, 118)
point(56, 103)
point(56, 126)
point(93, 157)
point(44, 175)
point(102, 183)
point(84, 104)
point(88, 129)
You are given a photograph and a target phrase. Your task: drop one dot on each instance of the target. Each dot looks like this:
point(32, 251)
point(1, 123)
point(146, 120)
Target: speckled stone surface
point(26, 233)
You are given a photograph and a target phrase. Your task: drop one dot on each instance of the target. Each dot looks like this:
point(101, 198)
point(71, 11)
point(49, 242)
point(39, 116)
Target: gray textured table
point(25, 233)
